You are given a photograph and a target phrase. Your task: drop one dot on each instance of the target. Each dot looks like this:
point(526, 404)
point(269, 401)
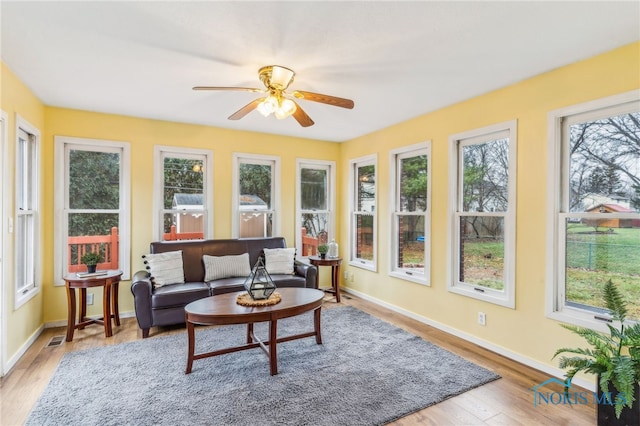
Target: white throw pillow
point(217, 267)
point(279, 261)
point(165, 268)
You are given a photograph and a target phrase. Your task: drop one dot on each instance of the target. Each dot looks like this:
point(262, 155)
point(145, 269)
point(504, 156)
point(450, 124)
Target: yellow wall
point(23, 323)
point(143, 134)
point(523, 331)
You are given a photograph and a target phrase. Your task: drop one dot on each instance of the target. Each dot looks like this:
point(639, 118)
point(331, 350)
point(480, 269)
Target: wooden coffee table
point(223, 309)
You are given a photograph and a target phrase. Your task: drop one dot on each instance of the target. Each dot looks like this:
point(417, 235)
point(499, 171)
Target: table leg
point(273, 355)
point(106, 309)
point(192, 345)
point(335, 281)
point(82, 313)
point(114, 302)
point(316, 325)
point(71, 312)
point(250, 332)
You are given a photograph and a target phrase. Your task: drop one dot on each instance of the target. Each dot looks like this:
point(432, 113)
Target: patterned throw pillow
point(217, 267)
point(165, 268)
point(279, 261)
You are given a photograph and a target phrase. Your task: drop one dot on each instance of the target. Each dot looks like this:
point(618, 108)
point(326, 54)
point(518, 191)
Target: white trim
point(556, 186)
point(331, 201)
point(276, 189)
point(124, 226)
point(366, 160)
point(415, 150)
point(24, 125)
point(23, 349)
point(208, 185)
point(5, 234)
point(506, 297)
point(515, 356)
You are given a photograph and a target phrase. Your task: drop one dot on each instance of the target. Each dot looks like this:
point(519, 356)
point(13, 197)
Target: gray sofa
point(164, 305)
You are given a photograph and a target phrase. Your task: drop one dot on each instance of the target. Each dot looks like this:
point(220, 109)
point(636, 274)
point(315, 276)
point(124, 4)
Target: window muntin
point(93, 205)
point(256, 197)
point(597, 216)
point(363, 213)
point(184, 200)
point(315, 218)
point(26, 226)
point(483, 218)
point(410, 213)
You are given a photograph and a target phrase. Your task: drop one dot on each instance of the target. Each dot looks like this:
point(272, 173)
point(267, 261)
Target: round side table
point(335, 263)
point(109, 281)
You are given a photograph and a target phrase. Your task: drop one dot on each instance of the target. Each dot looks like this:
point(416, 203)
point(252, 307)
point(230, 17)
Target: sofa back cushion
point(194, 250)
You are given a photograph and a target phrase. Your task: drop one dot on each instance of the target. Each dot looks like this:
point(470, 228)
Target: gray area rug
point(366, 372)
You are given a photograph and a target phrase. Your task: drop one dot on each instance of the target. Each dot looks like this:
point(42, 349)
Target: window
point(363, 213)
point(27, 233)
point(410, 212)
point(315, 218)
point(594, 209)
point(483, 175)
point(183, 201)
point(256, 199)
point(92, 206)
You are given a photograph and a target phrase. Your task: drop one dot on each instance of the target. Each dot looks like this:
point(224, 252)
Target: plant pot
point(323, 255)
point(607, 412)
point(91, 268)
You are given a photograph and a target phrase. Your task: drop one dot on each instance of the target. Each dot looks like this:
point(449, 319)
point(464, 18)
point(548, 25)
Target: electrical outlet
point(90, 299)
point(346, 276)
point(351, 278)
point(482, 318)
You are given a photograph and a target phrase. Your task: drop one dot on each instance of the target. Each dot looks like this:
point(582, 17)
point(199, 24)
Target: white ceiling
point(396, 60)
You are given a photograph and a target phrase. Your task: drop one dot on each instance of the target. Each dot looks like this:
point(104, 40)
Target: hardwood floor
point(507, 401)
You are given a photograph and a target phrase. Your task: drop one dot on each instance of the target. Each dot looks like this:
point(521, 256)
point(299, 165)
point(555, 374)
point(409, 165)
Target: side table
point(335, 263)
point(109, 282)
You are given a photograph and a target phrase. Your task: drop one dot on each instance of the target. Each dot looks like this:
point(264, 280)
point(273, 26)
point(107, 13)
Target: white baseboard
point(23, 349)
point(529, 362)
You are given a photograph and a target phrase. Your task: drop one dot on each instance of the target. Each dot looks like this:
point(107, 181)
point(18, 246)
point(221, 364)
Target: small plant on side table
point(322, 250)
point(91, 259)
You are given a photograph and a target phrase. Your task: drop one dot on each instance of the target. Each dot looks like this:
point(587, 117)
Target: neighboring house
point(255, 220)
point(188, 221)
point(616, 222)
point(591, 200)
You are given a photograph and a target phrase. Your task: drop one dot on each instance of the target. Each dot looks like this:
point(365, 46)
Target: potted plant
point(91, 259)
point(614, 358)
point(323, 249)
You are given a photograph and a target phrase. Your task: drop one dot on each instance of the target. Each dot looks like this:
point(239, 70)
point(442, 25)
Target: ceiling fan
point(278, 101)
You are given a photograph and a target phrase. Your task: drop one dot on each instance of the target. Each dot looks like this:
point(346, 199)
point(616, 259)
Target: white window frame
point(395, 156)
point(505, 297)
point(330, 167)
point(557, 212)
point(61, 209)
point(354, 164)
point(274, 162)
point(6, 229)
point(161, 152)
point(32, 167)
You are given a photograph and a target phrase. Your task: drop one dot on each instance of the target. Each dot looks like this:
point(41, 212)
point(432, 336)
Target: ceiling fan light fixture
point(281, 77)
point(287, 108)
point(269, 105)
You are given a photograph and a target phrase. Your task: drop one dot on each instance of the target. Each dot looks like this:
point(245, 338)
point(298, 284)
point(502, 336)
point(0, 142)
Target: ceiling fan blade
point(242, 89)
point(325, 99)
point(246, 109)
point(302, 117)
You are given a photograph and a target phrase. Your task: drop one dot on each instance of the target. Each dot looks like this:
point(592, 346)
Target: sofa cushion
point(165, 268)
point(217, 267)
point(177, 295)
point(279, 261)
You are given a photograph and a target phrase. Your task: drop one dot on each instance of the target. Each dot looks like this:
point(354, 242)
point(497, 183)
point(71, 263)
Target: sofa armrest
point(142, 289)
point(309, 272)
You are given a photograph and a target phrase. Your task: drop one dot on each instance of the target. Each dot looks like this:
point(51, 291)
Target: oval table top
point(224, 309)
